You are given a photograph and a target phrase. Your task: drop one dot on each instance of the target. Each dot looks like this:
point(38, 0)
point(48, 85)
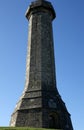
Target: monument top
point(40, 6)
point(40, 0)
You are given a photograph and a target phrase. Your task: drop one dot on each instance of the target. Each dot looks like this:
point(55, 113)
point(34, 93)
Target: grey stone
point(40, 104)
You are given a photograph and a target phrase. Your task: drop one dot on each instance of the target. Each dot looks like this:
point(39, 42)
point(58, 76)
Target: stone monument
point(41, 104)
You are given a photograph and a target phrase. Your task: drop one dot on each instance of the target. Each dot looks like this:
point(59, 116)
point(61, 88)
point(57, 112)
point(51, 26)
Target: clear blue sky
point(68, 29)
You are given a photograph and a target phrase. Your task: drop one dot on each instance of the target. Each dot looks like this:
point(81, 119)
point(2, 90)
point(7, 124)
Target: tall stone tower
point(40, 104)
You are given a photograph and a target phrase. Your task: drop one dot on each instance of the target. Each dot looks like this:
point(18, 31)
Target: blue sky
point(68, 32)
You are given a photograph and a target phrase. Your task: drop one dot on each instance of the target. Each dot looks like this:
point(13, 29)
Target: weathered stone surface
point(40, 104)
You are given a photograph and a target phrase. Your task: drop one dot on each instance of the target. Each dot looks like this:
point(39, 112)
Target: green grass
point(23, 128)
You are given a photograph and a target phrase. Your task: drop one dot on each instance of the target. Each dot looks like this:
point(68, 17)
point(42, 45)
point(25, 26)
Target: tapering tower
point(40, 104)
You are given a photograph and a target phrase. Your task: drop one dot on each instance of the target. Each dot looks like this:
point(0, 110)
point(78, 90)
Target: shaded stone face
point(40, 104)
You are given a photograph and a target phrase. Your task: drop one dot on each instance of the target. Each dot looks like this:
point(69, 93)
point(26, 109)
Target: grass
point(23, 128)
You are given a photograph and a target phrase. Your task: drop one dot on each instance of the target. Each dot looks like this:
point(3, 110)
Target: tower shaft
point(40, 69)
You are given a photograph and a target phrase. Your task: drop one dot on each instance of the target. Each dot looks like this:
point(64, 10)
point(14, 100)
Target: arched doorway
point(51, 121)
point(54, 121)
